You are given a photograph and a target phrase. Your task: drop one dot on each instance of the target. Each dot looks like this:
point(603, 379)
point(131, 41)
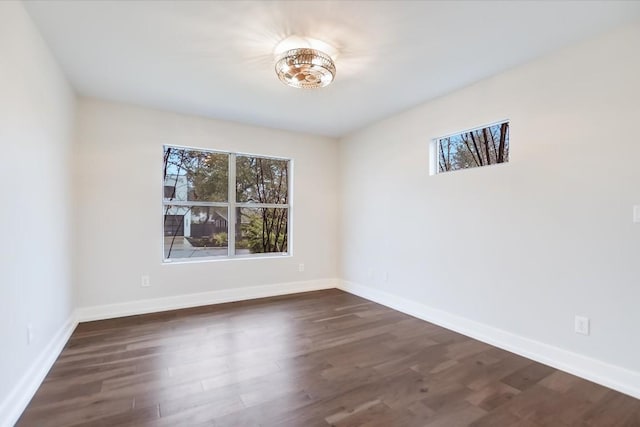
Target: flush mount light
point(305, 68)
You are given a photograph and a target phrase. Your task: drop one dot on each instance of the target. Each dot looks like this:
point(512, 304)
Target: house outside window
point(223, 205)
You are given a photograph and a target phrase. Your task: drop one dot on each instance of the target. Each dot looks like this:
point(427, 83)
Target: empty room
point(320, 213)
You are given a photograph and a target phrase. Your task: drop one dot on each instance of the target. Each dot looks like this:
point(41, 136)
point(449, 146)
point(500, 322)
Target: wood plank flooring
point(314, 359)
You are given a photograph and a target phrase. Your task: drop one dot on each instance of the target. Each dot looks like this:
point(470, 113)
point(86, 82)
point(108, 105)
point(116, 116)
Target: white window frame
point(231, 206)
point(434, 147)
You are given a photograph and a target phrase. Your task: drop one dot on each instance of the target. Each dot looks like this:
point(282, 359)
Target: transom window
point(472, 148)
point(220, 204)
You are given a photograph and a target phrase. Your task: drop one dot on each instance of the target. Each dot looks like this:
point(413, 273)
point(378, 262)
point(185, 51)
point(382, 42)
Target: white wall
point(36, 114)
point(119, 215)
point(524, 246)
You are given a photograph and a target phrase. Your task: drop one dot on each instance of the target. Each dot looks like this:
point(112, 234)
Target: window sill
point(224, 258)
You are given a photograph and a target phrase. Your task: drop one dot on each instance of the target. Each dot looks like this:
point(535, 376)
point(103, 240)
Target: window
point(473, 148)
point(220, 204)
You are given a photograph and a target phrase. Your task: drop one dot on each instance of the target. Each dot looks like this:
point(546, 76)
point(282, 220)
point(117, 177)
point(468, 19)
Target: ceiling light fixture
point(305, 68)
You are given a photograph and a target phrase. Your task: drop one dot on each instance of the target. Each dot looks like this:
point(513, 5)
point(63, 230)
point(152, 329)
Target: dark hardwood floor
point(314, 359)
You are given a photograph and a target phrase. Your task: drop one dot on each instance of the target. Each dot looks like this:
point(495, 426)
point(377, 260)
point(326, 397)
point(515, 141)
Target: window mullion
point(231, 224)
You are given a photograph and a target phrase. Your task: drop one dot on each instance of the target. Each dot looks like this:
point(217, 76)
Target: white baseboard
point(17, 401)
point(20, 396)
point(608, 375)
point(100, 312)
point(603, 373)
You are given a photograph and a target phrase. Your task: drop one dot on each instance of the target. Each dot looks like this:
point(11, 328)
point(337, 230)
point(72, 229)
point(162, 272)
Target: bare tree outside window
point(474, 148)
point(202, 218)
point(264, 181)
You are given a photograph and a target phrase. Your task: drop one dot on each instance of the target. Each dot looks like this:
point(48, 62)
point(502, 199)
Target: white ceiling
point(216, 58)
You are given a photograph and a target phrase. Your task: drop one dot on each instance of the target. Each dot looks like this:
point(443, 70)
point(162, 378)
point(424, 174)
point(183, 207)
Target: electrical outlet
point(30, 334)
point(145, 282)
point(385, 277)
point(300, 268)
point(582, 325)
point(370, 274)
point(636, 213)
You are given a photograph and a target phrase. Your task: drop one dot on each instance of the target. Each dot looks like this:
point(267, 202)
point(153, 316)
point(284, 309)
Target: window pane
point(261, 230)
point(262, 180)
point(191, 175)
point(470, 149)
point(196, 231)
